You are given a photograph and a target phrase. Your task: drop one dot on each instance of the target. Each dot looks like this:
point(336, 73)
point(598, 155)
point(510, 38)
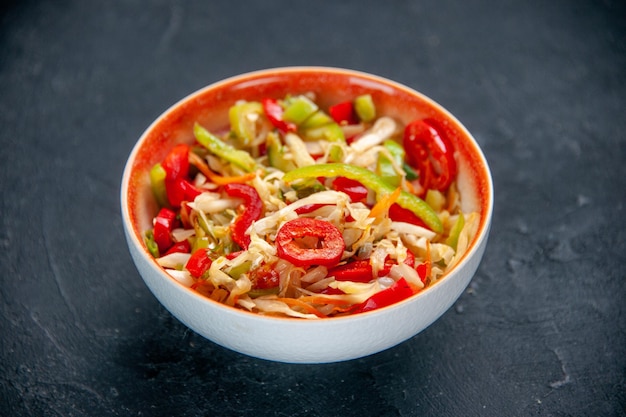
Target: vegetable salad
point(308, 212)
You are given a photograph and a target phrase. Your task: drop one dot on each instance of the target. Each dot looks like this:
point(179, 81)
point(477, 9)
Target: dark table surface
point(540, 331)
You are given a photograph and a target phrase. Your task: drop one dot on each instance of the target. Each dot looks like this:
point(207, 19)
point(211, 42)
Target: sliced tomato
point(430, 151)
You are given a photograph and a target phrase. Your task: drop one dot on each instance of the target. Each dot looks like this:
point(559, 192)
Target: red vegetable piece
point(233, 255)
point(328, 241)
point(355, 190)
point(199, 263)
point(253, 208)
point(331, 291)
point(410, 259)
point(343, 113)
point(180, 190)
point(176, 163)
point(180, 247)
point(176, 166)
point(274, 113)
point(422, 271)
point(164, 223)
point(399, 291)
point(306, 209)
point(430, 151)
point(361, 270)
point(400, 214)
point(264, 277)
point(356, 271)
point(175, 192)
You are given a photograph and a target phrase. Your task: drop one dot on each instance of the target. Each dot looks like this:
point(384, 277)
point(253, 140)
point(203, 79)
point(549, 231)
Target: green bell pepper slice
point(236, 271)
point(276, 153)
point(435, 199)
point(242, 118)
point(372, 181)
point(299, 109)
point(237, 157)
point(384, 166)
point(365, 108)
point(455, 232)
point(317, 119)
point(153, 248)
point(330, 132)
point(157, 182)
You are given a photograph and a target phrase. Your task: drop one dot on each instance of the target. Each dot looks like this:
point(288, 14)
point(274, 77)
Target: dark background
point(540, 331)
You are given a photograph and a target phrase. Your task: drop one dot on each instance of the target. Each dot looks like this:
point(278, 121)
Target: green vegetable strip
point(299, 109)
point(365, 108)
point(453, 239)
point(241, 124)
point(157, 181)
point(384, 166)
point(240, 158)
point(153, 248)
point(373, 182)
point(276, 153)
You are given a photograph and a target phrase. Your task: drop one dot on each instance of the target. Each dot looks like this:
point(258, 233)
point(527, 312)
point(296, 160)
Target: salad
point(302, 211)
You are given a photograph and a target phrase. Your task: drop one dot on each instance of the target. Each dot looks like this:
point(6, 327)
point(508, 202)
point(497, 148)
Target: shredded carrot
point(295, 302)
point(382, 206)
point(204, 287)
point(428, 261)
point(196, 161)
point(319, 299)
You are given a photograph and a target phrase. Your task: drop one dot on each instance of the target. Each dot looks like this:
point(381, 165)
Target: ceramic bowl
point(286, 339)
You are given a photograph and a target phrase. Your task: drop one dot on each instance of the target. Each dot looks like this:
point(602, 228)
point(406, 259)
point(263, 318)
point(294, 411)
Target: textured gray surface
point(542, 86)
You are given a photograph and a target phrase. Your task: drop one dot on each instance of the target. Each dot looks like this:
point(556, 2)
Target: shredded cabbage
point(257, 279)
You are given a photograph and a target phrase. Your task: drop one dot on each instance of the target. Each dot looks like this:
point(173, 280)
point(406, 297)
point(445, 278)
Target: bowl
point(294, 340)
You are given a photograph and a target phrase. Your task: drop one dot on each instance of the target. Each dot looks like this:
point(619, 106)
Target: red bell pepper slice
point(430, 151)
point(253, 208)
point(177, 185)
point(274, 113)
point(343, 113)
point(400, 214)
point(233, 255)
point(399, 291)
point(422, 271)
point(164, 223)
point(180, 247)
point(331, 291)
point(328, 248)
point(306, 209)
point(176, 163)
point(356, 271)
point(361, 270)
point(355, 190)
point(181, 190)
point(199, 263)
point(410, 261)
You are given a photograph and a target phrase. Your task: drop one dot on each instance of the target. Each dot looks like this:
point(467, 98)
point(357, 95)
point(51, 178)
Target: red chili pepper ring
point(326, 247)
